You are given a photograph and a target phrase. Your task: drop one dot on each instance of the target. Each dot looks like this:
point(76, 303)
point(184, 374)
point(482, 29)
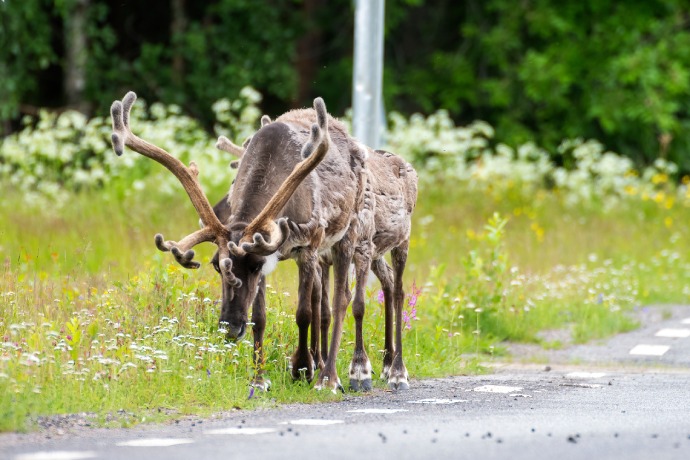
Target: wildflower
point(380, 297)
point(412, 302)
point(408, 317)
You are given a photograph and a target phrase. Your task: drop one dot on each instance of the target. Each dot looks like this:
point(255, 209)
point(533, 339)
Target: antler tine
point(265, 120)
point(279, 234)
point(226, 268)
point(312, 153)
point(122, 135)
point(227, 145)
point(182, 250)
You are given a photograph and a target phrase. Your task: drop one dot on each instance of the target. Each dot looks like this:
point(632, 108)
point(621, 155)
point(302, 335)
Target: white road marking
point(154, 442)
point(245, 431)
point(585, 375)
point(437, 401)
point(497, 389)
point(582, 385)
point(56, 455)
point(312, 422)
point(674, 333)
point(377, 411)
point(686, 321)
point(649, 350)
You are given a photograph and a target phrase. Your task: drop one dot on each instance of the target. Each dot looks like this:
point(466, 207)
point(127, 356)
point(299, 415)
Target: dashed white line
point(56, 455)
point(154, 442)
point(312, 422)
point(582, 385)
point(674, 333)
point(377, 411)
point(437, 401)
point(649, 350)
point(585, 375)
point(243, 431)
point(497, 389)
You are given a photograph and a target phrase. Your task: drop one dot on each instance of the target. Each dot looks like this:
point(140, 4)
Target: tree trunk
point(76, 55)
point(308, 53)
point(178, 25)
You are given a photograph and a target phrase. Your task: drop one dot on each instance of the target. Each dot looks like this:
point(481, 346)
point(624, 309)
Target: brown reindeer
point(384, 226)
point(296, 193)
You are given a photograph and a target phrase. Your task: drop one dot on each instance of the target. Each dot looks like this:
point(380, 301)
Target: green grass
point(93, 318)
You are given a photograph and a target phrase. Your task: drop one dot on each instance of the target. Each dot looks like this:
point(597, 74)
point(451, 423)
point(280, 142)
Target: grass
point(93, 318)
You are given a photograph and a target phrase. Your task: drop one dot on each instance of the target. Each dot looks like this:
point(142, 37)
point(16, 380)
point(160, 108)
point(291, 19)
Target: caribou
point(384, 226)
point(298, 188)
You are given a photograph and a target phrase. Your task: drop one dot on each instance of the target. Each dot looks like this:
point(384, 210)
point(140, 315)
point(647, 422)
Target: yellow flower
point(630, 190)
point(659, 178)
point(668, 204)
point(538, 231)
point(668, 222)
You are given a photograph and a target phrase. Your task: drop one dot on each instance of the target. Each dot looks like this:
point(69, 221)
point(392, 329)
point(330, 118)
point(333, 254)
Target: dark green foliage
point(540, 70)
point(547, 70)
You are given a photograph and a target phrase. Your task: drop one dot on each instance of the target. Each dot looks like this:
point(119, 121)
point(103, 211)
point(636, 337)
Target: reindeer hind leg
point(384, 273)
point(360, 367)
point(398, 378)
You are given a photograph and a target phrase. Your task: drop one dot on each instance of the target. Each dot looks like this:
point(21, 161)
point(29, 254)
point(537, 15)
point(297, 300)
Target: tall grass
point(94, 318)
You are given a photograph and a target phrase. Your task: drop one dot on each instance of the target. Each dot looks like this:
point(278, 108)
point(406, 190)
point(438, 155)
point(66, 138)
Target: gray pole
point(368, 72)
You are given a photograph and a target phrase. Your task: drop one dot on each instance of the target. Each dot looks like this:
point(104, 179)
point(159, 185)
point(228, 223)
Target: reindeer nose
point(235, 331)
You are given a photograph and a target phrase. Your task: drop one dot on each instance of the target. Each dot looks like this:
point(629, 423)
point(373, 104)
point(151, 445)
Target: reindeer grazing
point(296, 193)
point(384, 226)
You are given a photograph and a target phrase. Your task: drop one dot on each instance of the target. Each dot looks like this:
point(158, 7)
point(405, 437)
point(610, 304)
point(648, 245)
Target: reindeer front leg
point(325, 309)
point(360, 367)
point(302, 360)
point(259, 320)
point(316, 292)
point(342, 256)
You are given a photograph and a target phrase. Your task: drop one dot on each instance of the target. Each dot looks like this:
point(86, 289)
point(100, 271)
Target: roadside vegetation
point(508, 241)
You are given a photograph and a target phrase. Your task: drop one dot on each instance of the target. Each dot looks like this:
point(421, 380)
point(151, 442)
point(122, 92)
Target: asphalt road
point(599, 401)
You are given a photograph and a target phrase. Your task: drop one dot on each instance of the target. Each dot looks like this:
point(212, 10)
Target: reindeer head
point(244, 251)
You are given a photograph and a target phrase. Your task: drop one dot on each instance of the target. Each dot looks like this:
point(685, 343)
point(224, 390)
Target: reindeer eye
point(216, 267)
point(257, 268)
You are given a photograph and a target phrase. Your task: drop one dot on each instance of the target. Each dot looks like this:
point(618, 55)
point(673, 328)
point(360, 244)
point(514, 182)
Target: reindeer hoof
point(261, 384)
point(326, 383)
point(399, 385)
point(360, 385)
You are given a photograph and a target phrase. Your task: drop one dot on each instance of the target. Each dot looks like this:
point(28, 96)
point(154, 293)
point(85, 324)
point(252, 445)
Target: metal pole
point(368, 72)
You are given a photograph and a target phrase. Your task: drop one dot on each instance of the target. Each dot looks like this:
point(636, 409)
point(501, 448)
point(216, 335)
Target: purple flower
point(412, 301)
point(251, 392)
point(407, 320)
point(208, 373)
point(381, 298)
